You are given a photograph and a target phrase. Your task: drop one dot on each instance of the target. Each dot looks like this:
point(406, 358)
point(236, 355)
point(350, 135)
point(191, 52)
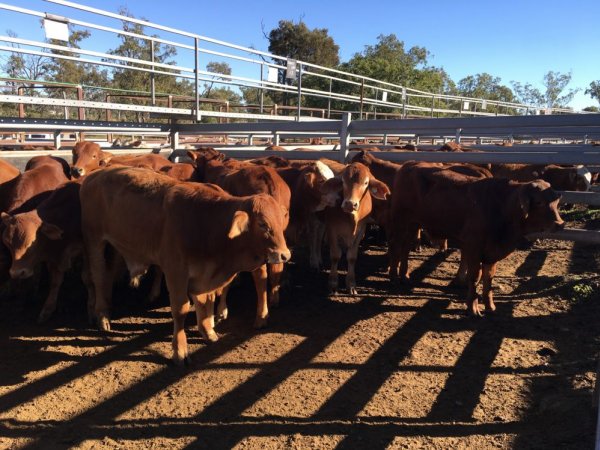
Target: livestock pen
point(391, 367)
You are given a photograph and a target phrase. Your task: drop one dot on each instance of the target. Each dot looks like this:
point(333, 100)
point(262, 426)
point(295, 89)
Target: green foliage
point(594, 90)
point(297, 41)
point(553, 97)
point(592, 109)
point(582, 292)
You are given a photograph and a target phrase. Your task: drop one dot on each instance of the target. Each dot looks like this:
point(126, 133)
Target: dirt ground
point(390, 368)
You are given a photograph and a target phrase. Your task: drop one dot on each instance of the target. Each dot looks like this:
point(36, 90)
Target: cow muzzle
point(77, 172)
point(279, 256)
point(21, 273)
point(350, 206)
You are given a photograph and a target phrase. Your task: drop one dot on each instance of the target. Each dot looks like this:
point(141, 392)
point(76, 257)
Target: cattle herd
point(197, 224)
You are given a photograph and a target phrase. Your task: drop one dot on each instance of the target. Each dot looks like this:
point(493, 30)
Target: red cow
point(346, 223)
point(7, 171)
point(198, 256)
point(87, 157)
point(241, 179)
point(487, 216)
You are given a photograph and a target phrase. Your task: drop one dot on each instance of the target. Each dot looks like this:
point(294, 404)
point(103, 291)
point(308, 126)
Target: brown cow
point(198, 256)
point(50, 234)
point(240, 179)
point(87, 157)
point(45, 174)
point(577, 178)
point(487, 216)
point(346, 223)
point(7, 171)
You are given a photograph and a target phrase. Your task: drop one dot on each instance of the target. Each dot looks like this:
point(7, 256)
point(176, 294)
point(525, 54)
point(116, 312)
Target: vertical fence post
point(362, 97)
point(432, 105)
point(404, 103)
point(329, 100)
point(262, 90)
point(299, 90)
point(152, 85)
point(458, 131)
point(344, 137)
point(57, 140)
point(80, 110)
point(20, 92)
point(197, 81)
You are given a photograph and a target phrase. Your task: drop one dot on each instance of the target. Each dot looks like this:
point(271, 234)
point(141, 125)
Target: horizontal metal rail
point(370, 88)
point(19, 125)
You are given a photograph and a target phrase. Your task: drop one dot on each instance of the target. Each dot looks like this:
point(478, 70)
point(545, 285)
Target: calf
point(87, 157)
point(487, 216)
point(577, 178)
point(25, 190)
point(51, 234)
point(242, 179)
point(7, 171)
point(198, 256)
point(346, 223)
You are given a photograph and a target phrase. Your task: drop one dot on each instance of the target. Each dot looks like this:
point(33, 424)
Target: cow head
point(263, 226)
point(354, 183)
point(363, 157)
point(87, 157)
point(538, 203)
point(21, 237)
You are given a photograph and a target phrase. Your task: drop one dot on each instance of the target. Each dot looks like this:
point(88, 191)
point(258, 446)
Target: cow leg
point(460, 279)
point(316, 232)
point(275, 271)
point(98, 270)
point(406, 243)
point(205, 306)
point(260, 283)
point(473, 276)
point(489, 270)
point(56, 279)
point(156, 284)
point(351, 256)
point(180, 305)
point(335, 253)
point(86, 277)
point(222, 311)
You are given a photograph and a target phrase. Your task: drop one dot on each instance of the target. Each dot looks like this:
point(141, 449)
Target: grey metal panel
point(390, 126)
point(570, 234)
point(291, 154)
point(585, 198)
point(257, 127)
point(14, 124)
point(492, 158)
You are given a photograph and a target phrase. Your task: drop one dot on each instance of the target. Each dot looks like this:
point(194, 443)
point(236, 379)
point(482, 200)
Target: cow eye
point(94, 156)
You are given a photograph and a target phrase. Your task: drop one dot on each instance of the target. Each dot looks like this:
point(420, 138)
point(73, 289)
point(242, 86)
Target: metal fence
point(360, 95)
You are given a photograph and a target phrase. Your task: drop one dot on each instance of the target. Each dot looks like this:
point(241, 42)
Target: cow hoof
point(103, 324)
point(260, 322)
point(222, 316)
point(211, 336)
point(181, 362)
point(474, 312)
point(44, 316)
point(352, 291)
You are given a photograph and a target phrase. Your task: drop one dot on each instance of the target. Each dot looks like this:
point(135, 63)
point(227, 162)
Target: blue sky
point(515, 40)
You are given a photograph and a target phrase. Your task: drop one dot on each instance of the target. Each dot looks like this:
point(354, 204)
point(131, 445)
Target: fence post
point(362, 97)
point(152, 83)
point(57, 140)
point(329, 100)
point(197, 81)
point(458, 131)
point(344, 137)
point(80, 110)
point(262, 90)
point(174, 139)
point(299, 90)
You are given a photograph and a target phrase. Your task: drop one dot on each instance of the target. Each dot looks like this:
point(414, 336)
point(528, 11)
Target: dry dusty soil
point(390, 368)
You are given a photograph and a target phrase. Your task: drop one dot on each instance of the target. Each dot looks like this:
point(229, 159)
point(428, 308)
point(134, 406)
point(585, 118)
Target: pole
point(329, 100)
point(262, 90)
point(152, 84)
point(197, 81)
point(299, 90)
point(362, 95)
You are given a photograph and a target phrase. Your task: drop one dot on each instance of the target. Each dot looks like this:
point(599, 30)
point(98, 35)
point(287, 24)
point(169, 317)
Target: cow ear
point(192, 155)
point(240, 224)
point(310, 178)
point(104, 161)
point(6, 218)
point(51, 231)
point(378, 189)
point(332, 185)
